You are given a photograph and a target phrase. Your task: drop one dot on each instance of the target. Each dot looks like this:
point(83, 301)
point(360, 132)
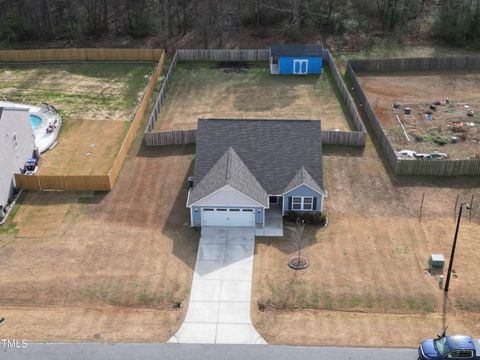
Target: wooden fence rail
point(182, 137)
point(78, 54)
point(438, 167)
point(62, 182)
point(373, 119)
point(98, 182)
point(161, 95)
point(346, 97)
point(412, 166)
point(416, 64)
point(139, 114)
point(348, 138)
point(223, 55)
point(175, 137)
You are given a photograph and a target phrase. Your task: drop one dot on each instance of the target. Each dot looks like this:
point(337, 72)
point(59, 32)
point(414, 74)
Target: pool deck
point(43, 139)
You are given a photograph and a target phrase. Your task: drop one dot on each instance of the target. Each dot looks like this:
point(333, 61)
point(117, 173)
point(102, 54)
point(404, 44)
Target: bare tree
point(298, 241)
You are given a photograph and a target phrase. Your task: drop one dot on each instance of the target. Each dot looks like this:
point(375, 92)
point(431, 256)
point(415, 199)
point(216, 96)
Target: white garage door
point(228, 217)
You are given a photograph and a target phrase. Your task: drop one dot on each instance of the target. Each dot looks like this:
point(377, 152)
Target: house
point(296, 59)
point(16, 146)
point(250, 171)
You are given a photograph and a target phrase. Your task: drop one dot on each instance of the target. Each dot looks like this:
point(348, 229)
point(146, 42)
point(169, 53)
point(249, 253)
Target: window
point(221, 209)
point(248, 210)
point(297, 203)
point(207, 209)
point(15, 141)
point(234, 210)
point(304, 203)
point(307, 203)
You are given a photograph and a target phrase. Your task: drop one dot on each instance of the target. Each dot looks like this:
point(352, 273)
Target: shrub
point(310, 218)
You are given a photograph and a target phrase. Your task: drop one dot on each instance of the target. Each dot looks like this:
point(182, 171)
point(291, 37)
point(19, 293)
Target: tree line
point(456, 21)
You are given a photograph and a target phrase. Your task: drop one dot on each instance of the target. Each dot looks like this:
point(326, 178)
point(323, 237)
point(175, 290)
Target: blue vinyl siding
point(303, 191)
point(286, 64)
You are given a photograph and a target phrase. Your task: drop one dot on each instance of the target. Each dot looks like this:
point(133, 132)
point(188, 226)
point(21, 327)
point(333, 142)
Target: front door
point(300, 66)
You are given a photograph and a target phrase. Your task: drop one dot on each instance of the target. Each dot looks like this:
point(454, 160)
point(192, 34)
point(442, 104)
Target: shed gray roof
point(296, 50)
point(272, 151)
point(229, 170)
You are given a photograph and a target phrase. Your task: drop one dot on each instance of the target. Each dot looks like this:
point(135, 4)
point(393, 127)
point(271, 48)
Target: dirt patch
point(368, 268)
point(418, 91)
point(248, 91)
point(103, 266)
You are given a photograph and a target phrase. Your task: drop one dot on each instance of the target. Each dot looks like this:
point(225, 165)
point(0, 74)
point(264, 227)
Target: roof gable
point(296, 50)
point(229, 170)
point(302, 177)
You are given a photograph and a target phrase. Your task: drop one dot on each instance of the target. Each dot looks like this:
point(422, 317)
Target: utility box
point(436, 262)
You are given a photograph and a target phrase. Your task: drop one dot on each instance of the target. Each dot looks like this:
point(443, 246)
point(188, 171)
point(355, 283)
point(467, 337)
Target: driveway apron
point(219, 307)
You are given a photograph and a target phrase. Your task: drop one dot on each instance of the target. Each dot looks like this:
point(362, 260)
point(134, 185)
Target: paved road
point(96, 351)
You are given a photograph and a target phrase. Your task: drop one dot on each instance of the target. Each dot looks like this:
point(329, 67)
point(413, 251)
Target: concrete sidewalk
point(219, 307)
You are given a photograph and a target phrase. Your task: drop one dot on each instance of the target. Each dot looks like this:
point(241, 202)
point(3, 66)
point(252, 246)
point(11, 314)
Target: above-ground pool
point(44, 120)
point(36, 121)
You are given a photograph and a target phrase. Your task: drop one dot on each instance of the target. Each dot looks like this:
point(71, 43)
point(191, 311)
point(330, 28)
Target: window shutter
point(314, 207)
point(289, 203)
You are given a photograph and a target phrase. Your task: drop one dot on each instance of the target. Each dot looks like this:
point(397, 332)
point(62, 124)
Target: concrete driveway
point(219, 307)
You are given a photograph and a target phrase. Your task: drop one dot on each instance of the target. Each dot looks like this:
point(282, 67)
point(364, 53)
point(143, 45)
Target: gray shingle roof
point(273, 152)
point(296, 50)
point(229, 170)
point(303, 177)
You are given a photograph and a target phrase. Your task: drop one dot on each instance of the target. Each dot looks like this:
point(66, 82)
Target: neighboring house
point(16, 146)
point(246, 168)
point(296, 59)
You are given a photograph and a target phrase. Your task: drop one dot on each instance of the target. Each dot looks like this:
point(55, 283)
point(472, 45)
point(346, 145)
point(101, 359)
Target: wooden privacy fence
point(346, 97)
point(412, 166)
point(98, 182)
point(155, 138)
point(385, 143)
point(438, 167)
point(175, 137)
point(63, 182)
point(139, 114)
point(416, 64)
point(350, 138)
point(100, 54)
point(223, 55)
point(161, 95)
point(183, 137)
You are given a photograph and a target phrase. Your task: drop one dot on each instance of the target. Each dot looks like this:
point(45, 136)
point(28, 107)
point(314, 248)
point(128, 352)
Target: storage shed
point(295, 59)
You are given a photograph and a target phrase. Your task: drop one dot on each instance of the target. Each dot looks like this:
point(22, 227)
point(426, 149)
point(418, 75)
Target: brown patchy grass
point(418, 90)
point(206, 90)
point(103, 266)
point(96, 101)
point(367, 284)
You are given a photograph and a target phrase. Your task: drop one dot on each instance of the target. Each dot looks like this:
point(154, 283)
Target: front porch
point(273, 222)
